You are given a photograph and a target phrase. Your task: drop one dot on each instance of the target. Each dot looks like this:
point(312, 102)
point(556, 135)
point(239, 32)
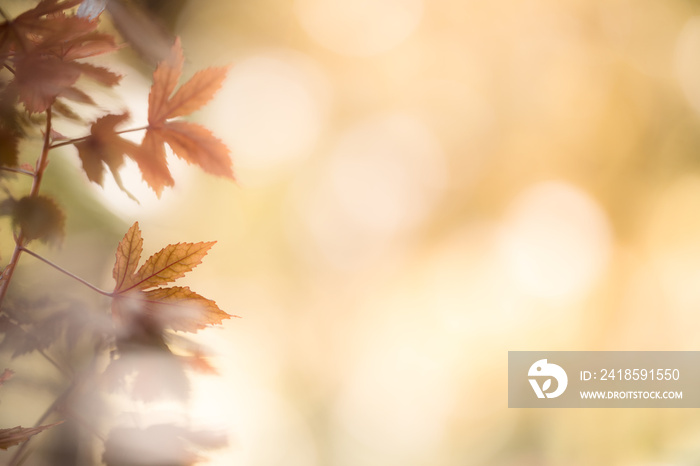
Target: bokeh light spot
point(361, 27)
point(270, 112)
point(382, 178)
point(555, 240)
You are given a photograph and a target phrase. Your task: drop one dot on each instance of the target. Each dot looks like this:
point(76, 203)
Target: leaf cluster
point(45, 54)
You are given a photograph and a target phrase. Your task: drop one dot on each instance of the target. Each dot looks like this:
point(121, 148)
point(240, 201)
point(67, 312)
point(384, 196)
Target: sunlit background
point(423, 186)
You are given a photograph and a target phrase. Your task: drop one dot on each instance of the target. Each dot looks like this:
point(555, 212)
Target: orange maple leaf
point(191, 142)
point(139, 296)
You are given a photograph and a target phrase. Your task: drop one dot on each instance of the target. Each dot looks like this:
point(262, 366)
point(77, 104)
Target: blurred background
point(423, 186)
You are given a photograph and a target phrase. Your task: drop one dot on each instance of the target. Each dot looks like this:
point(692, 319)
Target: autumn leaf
point(39, 217)
point(43, 44)
point(16, 435)
point(141, 292)
point(191, 142)
point(104, 147)
point(182, 309)
point(42, 78)
point(152, 162)
point(128, 257)
point(191, 96)
point(195, 144)
point(34, 23)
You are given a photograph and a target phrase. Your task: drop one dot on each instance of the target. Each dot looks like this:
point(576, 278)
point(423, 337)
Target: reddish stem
point(9, 270)
point(73, 141)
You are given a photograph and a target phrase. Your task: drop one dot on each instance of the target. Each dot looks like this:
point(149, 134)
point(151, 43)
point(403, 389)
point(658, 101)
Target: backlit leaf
point(170, 263)
point(180, 308)
point(195, 144)
point(196, 92)
point(152, 162)
point(165, 79)
point(137, 301)
point(128, 256)
point(189, 141)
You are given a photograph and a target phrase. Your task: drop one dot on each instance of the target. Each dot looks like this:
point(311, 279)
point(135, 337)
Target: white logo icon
point(543, 369)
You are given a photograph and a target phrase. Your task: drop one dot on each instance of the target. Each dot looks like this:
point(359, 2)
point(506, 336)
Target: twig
point(53, 362)
point(73, 141)
point(65, 272)
point(15, 461)
point(36, 184)
point(17, 170)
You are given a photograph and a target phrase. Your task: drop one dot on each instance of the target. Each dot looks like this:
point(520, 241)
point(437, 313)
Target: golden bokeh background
point(423, 186)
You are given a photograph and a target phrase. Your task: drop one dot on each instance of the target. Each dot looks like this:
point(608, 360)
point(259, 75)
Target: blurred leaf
point(42, 44)
point(19, 434)
point(48, 70)
point(180, 308)
point(62, 109)
point(105, 147)
point(68, 320)
point(32, 23)
point(161, 444)
point(145, 35)
point(149, 374)
point(39, 217)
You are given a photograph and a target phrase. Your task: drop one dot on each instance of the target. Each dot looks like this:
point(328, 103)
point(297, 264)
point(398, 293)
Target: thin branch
point(76, 140)
point(15, 461)
point(17, 170)
point(131, 130)
point(53, 362)
point(9, 270)
point(65, 272)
